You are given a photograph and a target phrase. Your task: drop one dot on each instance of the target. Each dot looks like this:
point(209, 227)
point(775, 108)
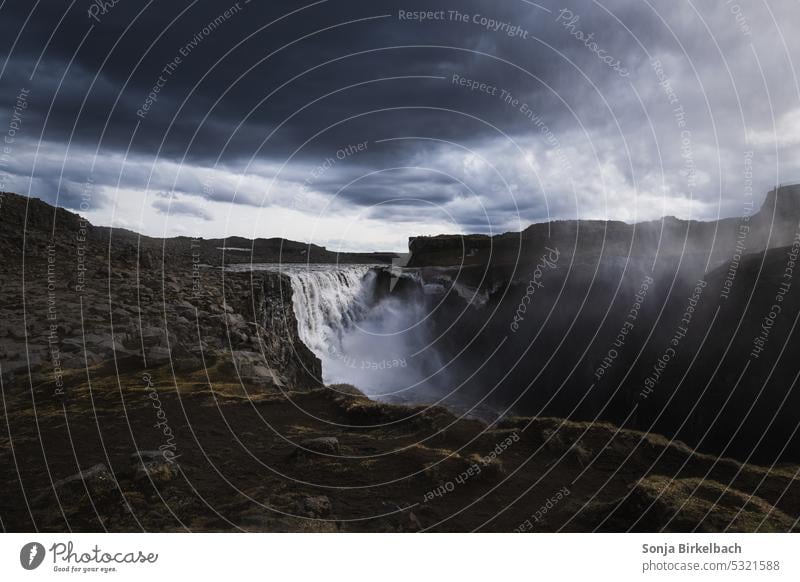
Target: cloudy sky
point(358, 124)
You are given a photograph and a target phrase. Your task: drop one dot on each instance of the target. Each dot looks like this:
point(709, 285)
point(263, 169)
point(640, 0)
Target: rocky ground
point(140, 393)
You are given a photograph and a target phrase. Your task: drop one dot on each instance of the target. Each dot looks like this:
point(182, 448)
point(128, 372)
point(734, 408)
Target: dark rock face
point(268, 297)
point(448, 249)
point(783, 203)
point(681, 328)
point(95, 296)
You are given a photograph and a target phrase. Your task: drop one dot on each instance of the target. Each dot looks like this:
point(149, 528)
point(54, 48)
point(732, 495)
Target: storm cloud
point(371, 122)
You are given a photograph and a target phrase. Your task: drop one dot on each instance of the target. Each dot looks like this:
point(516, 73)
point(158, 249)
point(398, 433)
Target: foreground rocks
point(324, 445)
point(662, 504)
point(259, 463)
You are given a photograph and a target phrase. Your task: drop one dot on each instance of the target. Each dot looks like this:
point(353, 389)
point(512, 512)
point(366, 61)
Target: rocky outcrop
point(265, 299)
point(407, 469)
point(87, 296)
point(666, 504)
point(678, 327)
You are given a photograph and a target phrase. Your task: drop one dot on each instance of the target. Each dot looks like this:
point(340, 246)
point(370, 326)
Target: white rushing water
point(329, 302)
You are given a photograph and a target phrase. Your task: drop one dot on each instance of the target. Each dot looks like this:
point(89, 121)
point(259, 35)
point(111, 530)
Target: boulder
point(324, 445)
point(316, 506)
point(96, 481)
point(158, 355)
point(155, 466)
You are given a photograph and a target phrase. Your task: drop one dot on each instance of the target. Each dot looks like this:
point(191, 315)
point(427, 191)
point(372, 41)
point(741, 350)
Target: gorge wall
point(682, 328)
point(76, 296)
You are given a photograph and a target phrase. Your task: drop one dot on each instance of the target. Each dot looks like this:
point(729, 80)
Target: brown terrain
point(146, 389)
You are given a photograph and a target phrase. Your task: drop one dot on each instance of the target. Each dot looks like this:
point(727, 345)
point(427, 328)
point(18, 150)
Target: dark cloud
point(276, 89)
point(263, 79)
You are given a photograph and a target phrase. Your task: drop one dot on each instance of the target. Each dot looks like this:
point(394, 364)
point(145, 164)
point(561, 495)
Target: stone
point(325, 445)
point(97, 481)
point(316, 506)
point(155, 466)
point(158, 355)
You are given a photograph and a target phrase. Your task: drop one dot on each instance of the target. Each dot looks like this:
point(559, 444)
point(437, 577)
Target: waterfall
point(362, 339)
point(379, 342)
point(328, 302)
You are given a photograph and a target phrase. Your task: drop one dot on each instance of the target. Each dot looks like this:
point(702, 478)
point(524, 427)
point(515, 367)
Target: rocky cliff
point(679, 327)
point(75, 296)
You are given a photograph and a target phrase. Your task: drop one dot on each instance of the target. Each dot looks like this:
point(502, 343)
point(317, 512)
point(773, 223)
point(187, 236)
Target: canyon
point(306, 390)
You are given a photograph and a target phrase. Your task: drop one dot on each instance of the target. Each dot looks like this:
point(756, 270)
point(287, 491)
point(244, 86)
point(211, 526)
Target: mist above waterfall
point(364, 335)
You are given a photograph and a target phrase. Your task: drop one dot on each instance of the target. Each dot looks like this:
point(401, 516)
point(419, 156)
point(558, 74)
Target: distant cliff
point(30, 224)
point(771, 227)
